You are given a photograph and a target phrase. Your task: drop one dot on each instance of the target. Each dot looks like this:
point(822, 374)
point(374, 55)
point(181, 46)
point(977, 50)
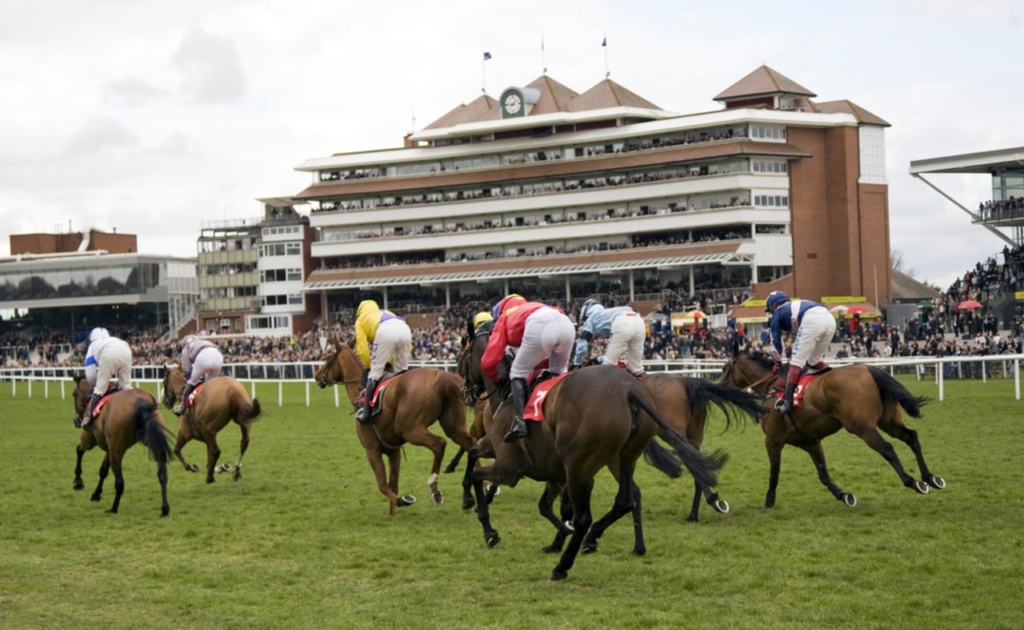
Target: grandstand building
point(79, 280)
point(251, 273)
point(553, 193)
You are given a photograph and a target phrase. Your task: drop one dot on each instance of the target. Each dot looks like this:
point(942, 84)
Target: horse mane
point(762, 359)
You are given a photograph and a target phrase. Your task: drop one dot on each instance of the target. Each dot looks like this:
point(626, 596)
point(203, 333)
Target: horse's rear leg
point(452, 465)
point(237, 474)
point(212, 455)
point(483, 508)
point(184, 439)
point(563, 529)
point(875, 440)
point(579, 494)
point(627, 500)
point(908, 436)
point(115, 465)
point(817, 454)
point(422, 437)
point(104, 469)
point(161, 475)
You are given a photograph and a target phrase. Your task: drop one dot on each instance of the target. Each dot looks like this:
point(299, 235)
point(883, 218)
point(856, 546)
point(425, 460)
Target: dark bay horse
point(859, 398)
point(219, 401)
point(595, 417)
point(682, 401)
point(411, 403)
point(127, 417)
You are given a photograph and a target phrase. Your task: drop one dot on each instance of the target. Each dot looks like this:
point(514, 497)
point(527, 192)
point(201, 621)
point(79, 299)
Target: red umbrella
point(969, 305)
point(856, 309)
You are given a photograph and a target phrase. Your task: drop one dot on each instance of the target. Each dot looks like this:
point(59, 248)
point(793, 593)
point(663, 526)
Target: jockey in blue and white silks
point(811, 326)
point(621, 326)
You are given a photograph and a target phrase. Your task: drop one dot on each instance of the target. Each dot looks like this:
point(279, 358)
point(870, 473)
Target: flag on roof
point(487, 56)
point(604, 42)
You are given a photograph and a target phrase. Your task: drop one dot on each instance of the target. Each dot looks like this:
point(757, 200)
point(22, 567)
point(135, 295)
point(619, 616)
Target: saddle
point(377, 393)
point(191, 400)
point(538, 384)
point(103, 401)
point(801, 387)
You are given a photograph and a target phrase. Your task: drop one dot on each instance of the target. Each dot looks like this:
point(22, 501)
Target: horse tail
point(730, 400)
point(255, 410)
point(704, 468)
point(892, 390)
point(663, 459)
point(151, 431)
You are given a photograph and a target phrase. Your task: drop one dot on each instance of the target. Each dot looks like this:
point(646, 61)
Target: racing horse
point(126, 417)
point(859, 398)
point(594, 417)
point(218, 401)
point(410, 403)
point(682, 401)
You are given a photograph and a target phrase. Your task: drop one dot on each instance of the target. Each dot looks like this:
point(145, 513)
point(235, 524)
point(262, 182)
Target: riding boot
point(785, 404)
point(87, 417)
point(519, 429)
point(180, 407)
point(363, 413)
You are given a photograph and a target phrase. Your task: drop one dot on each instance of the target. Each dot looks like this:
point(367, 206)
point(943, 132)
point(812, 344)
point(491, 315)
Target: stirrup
point(517, 432)
point(362, 415)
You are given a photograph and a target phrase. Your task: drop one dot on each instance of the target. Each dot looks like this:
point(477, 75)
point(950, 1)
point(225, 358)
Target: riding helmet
point(98, 333)
point(513, 299)
point(775, 300)
point(590, 307)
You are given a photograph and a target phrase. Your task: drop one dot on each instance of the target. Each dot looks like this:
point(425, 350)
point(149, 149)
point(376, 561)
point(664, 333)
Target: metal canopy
point(727, 258)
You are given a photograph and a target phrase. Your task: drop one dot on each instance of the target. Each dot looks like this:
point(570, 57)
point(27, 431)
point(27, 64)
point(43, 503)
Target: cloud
point(211, 68)
point(96, 135)
point(131, 91)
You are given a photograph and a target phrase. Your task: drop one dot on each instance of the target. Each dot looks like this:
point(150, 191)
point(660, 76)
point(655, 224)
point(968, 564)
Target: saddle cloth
point(801, 387)
point(535, 401)
point(377, 393)
point(191, 400)
point(103, 401)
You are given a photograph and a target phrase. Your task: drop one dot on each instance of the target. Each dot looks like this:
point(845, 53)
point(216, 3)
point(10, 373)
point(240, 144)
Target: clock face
point(513, 103)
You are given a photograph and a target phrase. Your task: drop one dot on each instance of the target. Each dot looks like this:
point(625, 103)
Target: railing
point(939, 369)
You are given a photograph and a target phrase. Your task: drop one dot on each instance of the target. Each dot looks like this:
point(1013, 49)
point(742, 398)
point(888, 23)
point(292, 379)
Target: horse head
point(80, 397)
point(327, 374)
point(170, 395)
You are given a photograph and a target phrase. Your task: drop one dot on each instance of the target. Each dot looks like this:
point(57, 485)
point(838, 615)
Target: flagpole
point(604, 44)
point(543, 63)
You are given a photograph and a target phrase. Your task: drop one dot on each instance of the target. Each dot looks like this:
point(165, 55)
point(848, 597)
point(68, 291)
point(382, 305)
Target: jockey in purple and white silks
point(811, 327)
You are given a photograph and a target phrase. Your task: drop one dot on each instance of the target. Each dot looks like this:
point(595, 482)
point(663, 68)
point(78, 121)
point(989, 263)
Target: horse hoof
point(558, 574)
point(588, 547)
point(192, 467)
point(550, 549)
point(568, 527)
point(492, 540)
point(468, 503)
point(640, 551)
point(225, 467)
point(937, 482)
point(721, 506)
point(437, 498)
point(848, 499)
point(78, 485)
point(407, 500)
point(237, 476)
point(921, 487)
point(94, 498)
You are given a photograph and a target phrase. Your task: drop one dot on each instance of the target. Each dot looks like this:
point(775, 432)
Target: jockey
point(811, 326)
point(538, 332)
point(106, 357)
point(621, 325)
point(201, 360)
point(391, 340)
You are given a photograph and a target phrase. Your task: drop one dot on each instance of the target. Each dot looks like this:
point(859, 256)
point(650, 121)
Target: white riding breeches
point(548, 334)
point(817, 328)
point(627, 338)
point(207, 365)
point(392, 342)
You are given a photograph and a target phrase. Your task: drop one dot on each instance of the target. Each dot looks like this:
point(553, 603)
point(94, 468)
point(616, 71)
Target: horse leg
point(774, 449)
point(817, 454)
point(450, 468)
point(376, 460)
point(483, 508)
point(436, 445)
point(115, 464)
point(875, 440)
point(161, 475)
point(468, 502)
point(246, 429)
point(183, 439)
point(626, 500)
point(104, 469)
point(561, 523)
point(695, 507)
point(212, 455)
point(579, 491)
point(78, 484)
point(908, 436)
point(395, 464)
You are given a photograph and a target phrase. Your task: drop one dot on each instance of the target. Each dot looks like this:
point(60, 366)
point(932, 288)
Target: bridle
point(322, 376)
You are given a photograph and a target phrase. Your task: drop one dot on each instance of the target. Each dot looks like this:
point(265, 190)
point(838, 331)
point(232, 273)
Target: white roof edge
point(672, 122)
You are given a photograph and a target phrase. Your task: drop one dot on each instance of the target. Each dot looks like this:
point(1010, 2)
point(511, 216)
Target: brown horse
point(595, 417)
point(219, 401)
point(127, 417)
point(859, 398)
point(682, 401)
point(411, 402)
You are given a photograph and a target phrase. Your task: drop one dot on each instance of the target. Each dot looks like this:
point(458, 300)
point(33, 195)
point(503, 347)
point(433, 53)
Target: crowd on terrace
point(941, 329)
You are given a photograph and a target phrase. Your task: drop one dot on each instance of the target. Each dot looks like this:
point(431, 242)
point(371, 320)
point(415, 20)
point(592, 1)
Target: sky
point(153, 117)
